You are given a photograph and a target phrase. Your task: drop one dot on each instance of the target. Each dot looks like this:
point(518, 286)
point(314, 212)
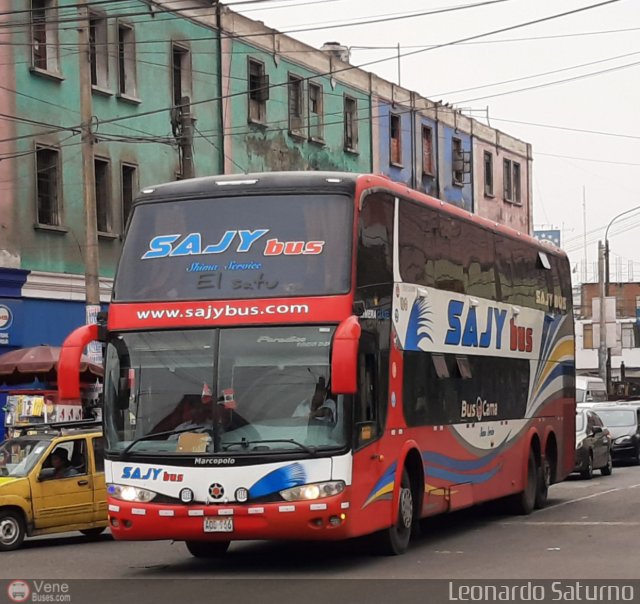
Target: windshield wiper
point(155, 435)
point(245, 443)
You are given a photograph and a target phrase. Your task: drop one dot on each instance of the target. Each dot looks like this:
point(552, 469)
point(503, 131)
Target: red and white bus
point(437, 345)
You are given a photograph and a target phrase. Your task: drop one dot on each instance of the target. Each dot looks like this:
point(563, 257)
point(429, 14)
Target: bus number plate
point(218, 525)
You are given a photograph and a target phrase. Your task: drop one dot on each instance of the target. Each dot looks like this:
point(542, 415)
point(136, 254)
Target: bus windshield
point(231, 391)
point(237, 247)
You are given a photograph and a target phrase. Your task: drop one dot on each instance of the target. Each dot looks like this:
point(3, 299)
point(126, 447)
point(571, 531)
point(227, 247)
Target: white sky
point(607, 102)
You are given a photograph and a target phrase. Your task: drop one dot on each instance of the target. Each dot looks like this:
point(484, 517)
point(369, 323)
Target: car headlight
point(315, 490)
point(623, 439)
point(129, 493)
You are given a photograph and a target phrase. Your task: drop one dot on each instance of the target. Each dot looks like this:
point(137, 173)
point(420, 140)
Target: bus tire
point(544, 482)
point(12, 530)
point(395, 540)
point(94, 533)
point(207, 549)
point(523, 503)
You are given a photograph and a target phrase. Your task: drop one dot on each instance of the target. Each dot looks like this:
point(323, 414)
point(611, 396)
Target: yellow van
point(52, 481)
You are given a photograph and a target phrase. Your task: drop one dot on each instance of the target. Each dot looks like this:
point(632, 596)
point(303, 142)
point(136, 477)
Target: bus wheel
point(395, 540)
point(12, 531)
point(207, 549)
point(94, 533)
point(524, 502)
point(544, 482)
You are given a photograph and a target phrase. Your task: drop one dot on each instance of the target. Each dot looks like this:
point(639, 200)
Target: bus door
point(371, 465)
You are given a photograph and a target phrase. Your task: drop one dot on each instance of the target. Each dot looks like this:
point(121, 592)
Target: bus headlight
point(129, 493)
point(315, 490)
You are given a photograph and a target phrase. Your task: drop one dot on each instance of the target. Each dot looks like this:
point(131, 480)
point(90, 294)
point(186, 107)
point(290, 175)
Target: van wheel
point(523, 503)
point(12, 531)
point(395, 540)
point(207, 549)
point(93, 533)
point(544, 482)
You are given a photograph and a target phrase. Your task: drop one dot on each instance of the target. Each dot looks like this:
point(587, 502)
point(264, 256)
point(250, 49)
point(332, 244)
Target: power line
point(377, 61)
point(535, 75)
point(547, 84)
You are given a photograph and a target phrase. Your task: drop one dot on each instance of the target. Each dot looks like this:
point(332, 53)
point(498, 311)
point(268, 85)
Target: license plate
point(218, 525)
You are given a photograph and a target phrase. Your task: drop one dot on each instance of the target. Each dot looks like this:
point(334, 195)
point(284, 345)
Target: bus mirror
point(70, 360)
point(344, 357)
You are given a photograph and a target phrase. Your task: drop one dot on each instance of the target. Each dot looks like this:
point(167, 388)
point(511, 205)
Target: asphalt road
point(590, 529)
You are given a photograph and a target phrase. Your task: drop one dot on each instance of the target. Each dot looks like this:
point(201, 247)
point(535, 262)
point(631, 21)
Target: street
point(588, 530)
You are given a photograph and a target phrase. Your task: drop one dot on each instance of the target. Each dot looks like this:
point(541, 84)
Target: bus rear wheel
point(523, 503)
point(544, 482)
point(395, 540)
point(207, 549)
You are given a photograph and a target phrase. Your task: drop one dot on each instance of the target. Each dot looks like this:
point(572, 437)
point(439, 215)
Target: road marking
point(575, 523)
point(557, 505)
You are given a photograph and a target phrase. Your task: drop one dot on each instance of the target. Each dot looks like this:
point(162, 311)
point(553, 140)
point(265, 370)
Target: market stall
point(29, 393)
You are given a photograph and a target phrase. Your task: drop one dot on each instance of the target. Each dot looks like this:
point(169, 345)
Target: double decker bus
point(319, 356)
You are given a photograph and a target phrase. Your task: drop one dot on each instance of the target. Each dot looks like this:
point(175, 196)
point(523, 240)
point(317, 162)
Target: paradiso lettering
point(466, 329)
point(242, 240)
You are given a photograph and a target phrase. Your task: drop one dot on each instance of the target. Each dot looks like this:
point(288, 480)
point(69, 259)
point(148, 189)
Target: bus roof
point(265, 183)
point(249, 184)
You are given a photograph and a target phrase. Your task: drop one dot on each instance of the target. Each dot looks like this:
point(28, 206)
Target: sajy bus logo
point(134, 473)
point(177, 244)
point(468, 330)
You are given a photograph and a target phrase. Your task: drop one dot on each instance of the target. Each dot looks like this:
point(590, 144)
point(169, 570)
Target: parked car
point(593, 445)
point(52, 481)
point(590, 390)
point(623, 421)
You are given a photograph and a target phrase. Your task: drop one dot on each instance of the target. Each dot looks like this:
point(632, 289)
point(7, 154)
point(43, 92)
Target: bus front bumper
point(325, 519)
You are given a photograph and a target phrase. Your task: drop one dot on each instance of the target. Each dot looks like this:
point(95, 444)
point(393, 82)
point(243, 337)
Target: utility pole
point(91, 256)
point(584, 233)
point(602, 347)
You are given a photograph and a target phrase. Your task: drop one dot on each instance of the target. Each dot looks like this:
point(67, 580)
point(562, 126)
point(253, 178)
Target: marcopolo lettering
point(241, 241)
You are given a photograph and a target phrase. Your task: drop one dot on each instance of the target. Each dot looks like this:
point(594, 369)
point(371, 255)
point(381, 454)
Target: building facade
point(623, 336)
point(180, 89)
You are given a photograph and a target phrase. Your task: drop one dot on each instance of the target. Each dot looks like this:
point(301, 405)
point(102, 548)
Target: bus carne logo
point(478, 410)
point(240, 241)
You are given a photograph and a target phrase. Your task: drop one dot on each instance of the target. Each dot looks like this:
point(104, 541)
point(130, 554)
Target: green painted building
point(171, 98)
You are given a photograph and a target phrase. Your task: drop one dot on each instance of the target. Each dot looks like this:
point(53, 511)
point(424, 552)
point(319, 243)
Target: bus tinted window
point(375, 251)
point(474, 388)
point(446, 253)
point(230, 248)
